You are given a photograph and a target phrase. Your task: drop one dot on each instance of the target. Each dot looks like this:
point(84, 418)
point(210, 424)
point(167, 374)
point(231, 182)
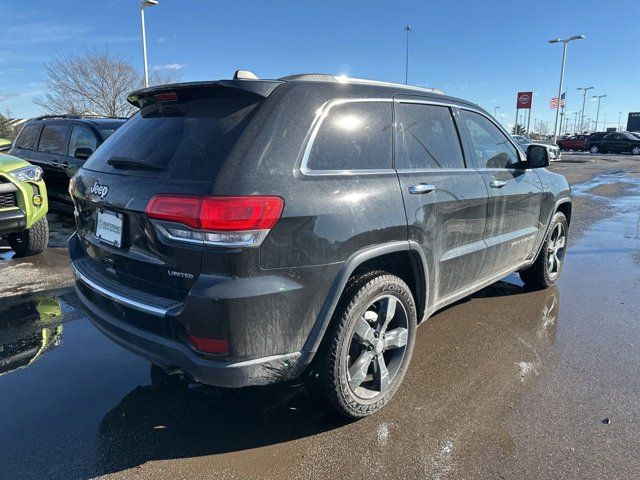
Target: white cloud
point(162, 39)
point(40, 32)
point(170, 66)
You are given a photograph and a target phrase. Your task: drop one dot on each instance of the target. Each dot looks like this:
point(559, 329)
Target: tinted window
point(491, 147)
point(427, 137)
point(53, 139)
point(106, 132)
point(82, 137)
point(189, 139)
point(354, 136)
point(28, 137)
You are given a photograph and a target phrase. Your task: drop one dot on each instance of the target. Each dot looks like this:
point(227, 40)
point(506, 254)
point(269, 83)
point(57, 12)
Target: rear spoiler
point(260, 88)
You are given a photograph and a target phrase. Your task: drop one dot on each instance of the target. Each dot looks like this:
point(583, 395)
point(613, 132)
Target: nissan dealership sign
point(633, 122)
point(524, 100)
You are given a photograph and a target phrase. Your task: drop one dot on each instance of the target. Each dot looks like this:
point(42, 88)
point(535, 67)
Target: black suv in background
point(620, 142)
point(60, 145)
point(593, 141)
point(247, 232)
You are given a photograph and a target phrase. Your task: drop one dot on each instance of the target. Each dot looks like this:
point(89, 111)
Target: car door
point(515, 193)
point(52, 150)
point(445, 202)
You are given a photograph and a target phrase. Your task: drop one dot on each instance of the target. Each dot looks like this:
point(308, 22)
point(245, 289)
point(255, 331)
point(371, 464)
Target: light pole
point(495, 112)
point(564, 58)
point(604, 123)
point(144, 4)
point(584, 98)
point(599, 97)
point(619, 117)
point(407, 28)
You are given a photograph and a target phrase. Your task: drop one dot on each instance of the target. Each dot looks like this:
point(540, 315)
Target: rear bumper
point(170, 354)
point(12, 221)
point(155, 327)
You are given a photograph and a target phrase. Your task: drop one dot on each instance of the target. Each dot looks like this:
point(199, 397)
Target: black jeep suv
point(60, 144)
point(246, 232)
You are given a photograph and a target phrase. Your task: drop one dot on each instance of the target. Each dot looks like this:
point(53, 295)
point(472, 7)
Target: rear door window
point(82, 137)
point(28, 138)
point(426, 137)
point(491, 147)
point(54, 139)
point(354, 136)
point(188, 139)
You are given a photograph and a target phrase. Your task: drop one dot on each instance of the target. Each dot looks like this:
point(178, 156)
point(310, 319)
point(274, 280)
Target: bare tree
point(93, 83)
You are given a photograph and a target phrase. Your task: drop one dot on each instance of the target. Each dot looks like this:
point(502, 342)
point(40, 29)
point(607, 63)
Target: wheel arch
point(404, 259)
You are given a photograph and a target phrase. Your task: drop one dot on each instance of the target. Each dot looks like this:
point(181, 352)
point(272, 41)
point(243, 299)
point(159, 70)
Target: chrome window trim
point(315, 127)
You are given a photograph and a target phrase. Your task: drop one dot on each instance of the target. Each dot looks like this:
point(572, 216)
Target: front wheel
point(594, 149)
point(368, 349)
point(635, 150)
point(32, 241)
point(546, 268)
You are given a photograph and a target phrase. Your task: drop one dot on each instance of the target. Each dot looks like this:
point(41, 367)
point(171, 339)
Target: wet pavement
point(509, 383)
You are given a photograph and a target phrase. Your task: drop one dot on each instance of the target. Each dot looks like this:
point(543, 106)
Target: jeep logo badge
point(99, 190)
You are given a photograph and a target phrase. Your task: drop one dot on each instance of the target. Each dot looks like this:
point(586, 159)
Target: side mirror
point(537, 156)
point(82, 153)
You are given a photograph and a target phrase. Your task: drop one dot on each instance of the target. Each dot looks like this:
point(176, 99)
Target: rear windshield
point(186, 140)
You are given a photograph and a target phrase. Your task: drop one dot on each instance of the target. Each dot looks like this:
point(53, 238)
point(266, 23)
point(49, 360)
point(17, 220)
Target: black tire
point(384, 359)
point(32, 241)
point(594, 149)
point(546, 269)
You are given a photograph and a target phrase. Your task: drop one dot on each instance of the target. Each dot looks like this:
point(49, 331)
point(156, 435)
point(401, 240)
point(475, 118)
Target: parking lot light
point(599, 97)
point(144, 4)
point(564, 57)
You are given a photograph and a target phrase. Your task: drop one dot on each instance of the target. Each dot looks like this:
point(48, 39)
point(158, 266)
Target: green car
point(23, 206)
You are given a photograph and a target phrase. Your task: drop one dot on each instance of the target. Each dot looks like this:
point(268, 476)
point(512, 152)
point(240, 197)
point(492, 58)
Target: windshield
point(184, 140)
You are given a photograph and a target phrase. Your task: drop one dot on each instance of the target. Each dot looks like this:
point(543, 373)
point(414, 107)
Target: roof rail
point(43, 117)
point(325, 77)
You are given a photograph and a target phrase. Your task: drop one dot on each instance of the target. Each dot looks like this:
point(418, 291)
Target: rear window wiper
point(121, 162)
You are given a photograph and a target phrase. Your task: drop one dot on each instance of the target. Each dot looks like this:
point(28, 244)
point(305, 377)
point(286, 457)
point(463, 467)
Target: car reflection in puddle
point(27, 331)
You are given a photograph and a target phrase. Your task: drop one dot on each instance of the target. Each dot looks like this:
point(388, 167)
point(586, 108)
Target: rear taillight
point(209, 345)
point(225, 221)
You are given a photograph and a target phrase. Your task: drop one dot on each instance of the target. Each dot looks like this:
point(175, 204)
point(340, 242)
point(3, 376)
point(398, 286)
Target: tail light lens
point(209, 345)
point(225, 221)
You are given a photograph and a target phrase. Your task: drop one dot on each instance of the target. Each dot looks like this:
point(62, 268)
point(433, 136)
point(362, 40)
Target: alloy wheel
point(377, 347)
point(556, 250)
point(636, 150)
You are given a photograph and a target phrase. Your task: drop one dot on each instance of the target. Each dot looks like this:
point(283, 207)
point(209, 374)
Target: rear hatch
point(174, 145)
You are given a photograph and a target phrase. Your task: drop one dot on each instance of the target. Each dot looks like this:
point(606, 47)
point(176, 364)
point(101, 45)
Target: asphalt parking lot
point(509, 383)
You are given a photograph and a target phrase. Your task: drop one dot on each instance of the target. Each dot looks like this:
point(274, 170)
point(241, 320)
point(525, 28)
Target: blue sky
point(484, 51)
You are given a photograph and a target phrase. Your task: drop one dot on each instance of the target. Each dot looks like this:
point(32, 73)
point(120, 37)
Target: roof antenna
point(244, 75)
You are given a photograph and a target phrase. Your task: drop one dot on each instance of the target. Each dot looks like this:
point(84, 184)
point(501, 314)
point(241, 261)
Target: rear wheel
point(544, 272)
point(32, 241)
point(635, 150)
point(594, 149)
point(368, 349)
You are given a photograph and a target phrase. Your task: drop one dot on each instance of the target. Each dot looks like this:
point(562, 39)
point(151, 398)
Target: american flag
point(554, 102)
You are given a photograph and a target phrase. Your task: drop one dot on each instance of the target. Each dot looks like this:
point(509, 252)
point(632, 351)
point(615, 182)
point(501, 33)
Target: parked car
point(60, 145)
point(247, 232)
point(620, 142)
point(552, 150)
point(23, 206)
point(593, 141)
point(574, 142)
point(5, 145)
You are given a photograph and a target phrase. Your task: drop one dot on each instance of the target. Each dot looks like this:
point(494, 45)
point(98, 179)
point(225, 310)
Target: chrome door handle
point(422, 188)
point(64, 165)
point(497, 183)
